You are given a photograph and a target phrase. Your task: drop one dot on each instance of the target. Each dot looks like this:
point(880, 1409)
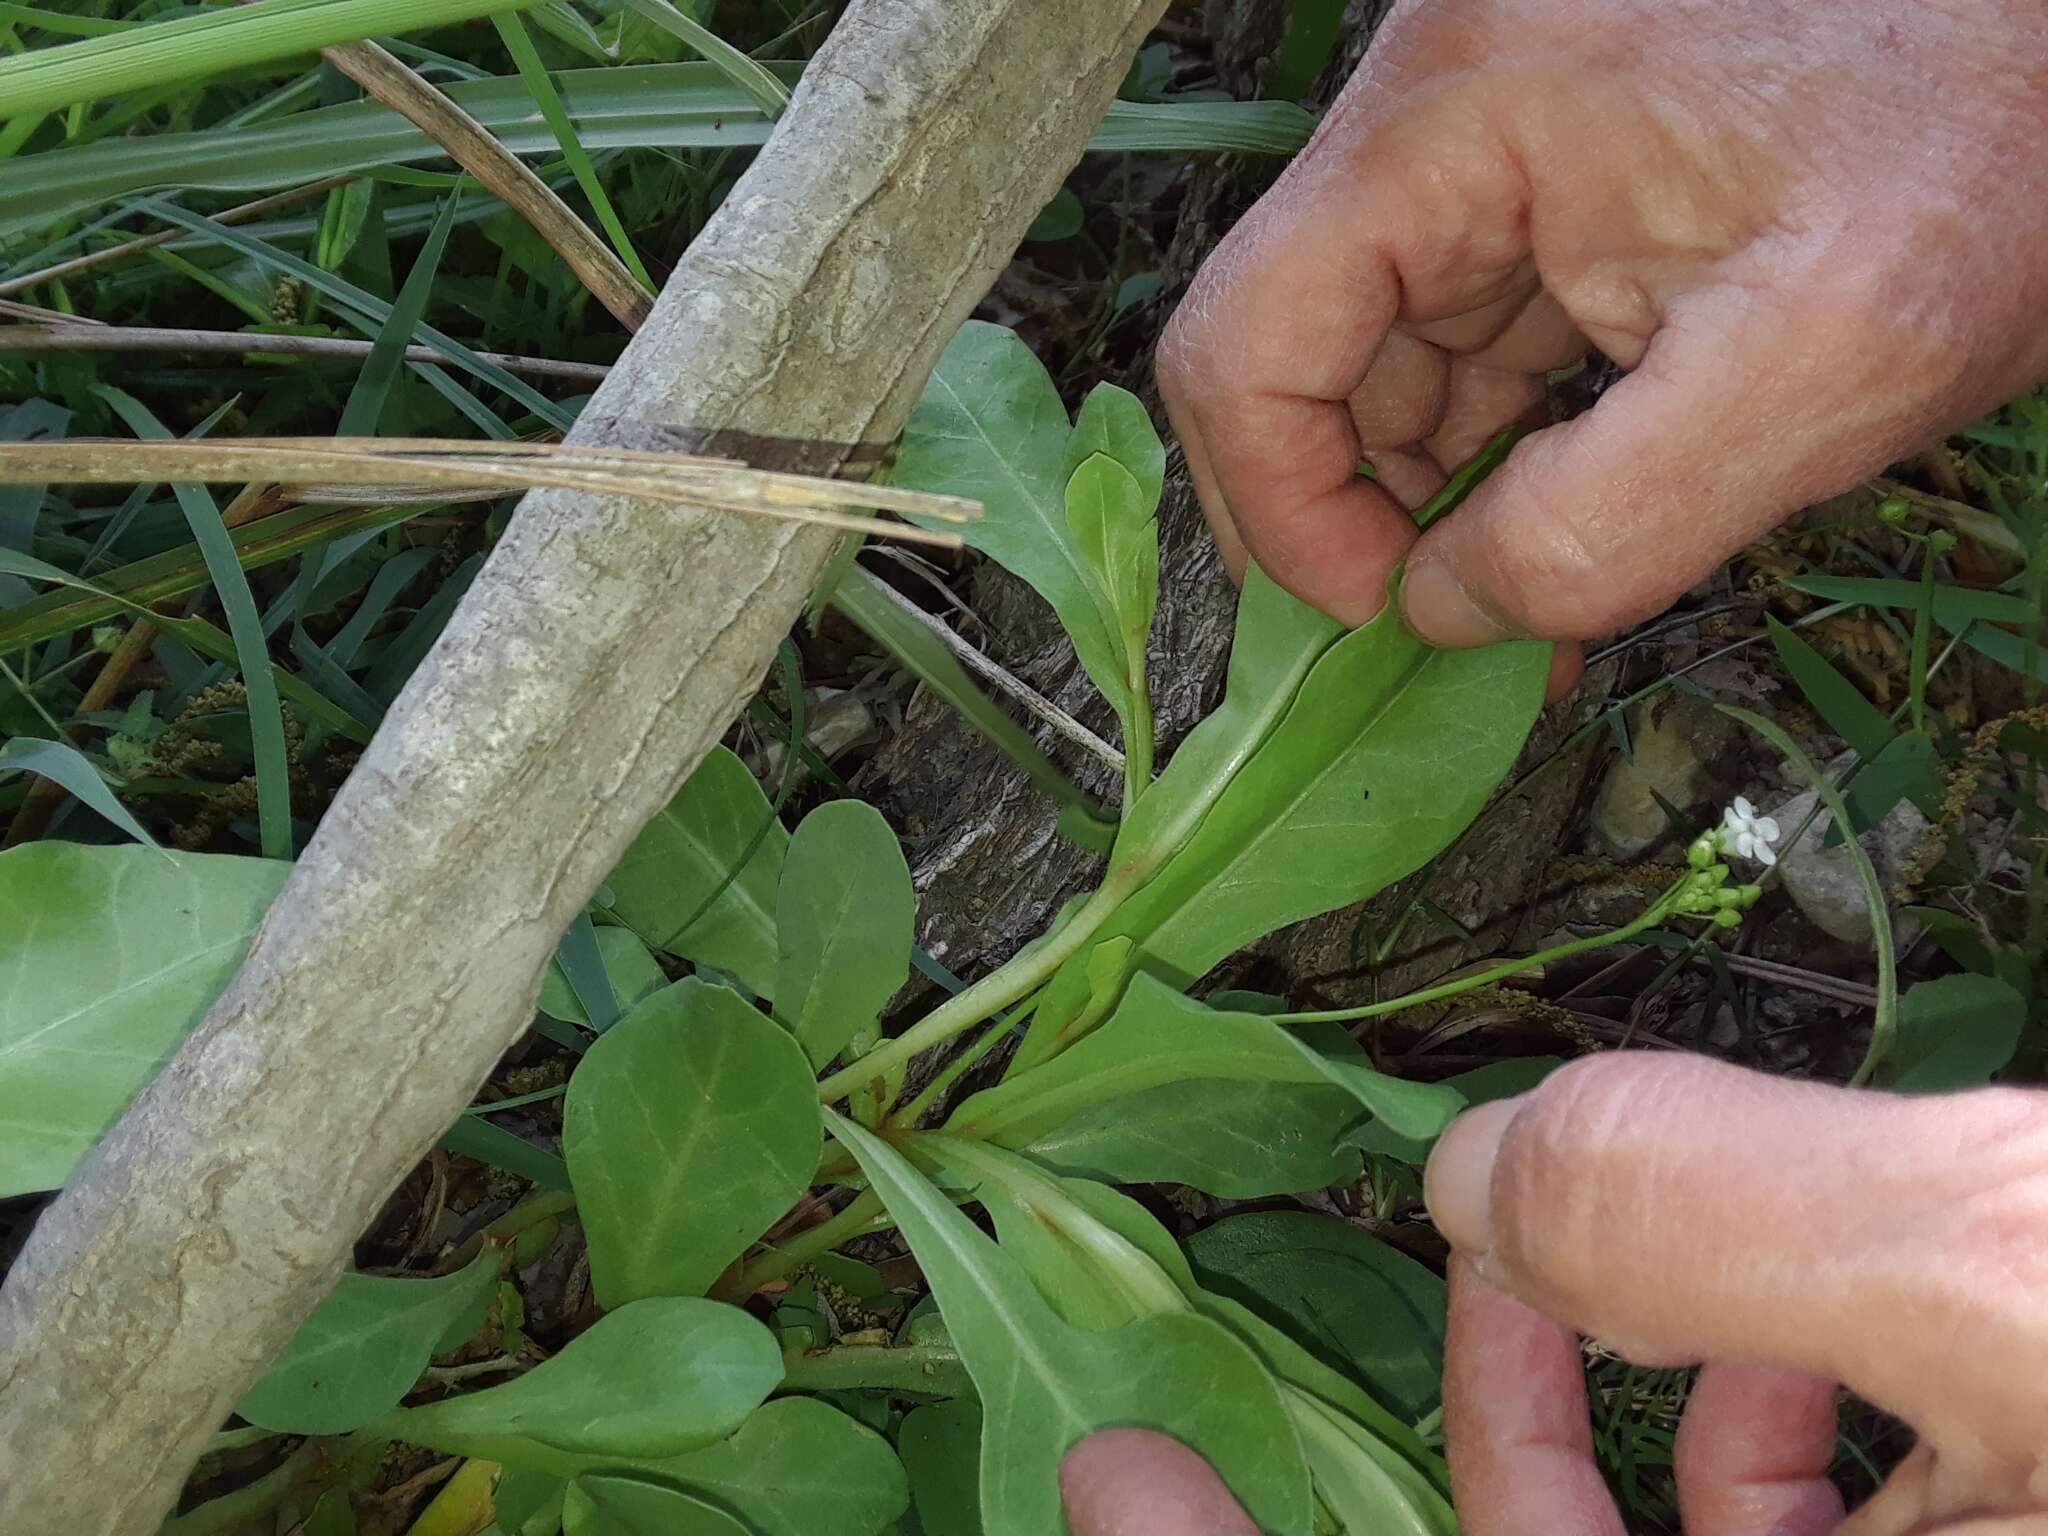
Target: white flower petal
point(1764, 855)
point(1744, 809)
point(1766, 828)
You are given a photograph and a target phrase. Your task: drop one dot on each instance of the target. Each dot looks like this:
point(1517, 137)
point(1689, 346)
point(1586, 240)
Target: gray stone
point(1823, 882)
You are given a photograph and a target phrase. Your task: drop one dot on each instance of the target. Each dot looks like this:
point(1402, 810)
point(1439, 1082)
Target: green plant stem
point(1001, 987)
point(542, 1205)
point(1884, 1024)
point(931, 1369)
point(959, 1065)
point(234, 1510)
point(1138, 739)
point(239, 1439)
point(774, 1263)
point(1923, 623)
point(1651, 916)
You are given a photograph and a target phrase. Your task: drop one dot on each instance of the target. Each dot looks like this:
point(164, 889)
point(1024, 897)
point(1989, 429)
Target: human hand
point(1792, 1235)
point(1813, 230)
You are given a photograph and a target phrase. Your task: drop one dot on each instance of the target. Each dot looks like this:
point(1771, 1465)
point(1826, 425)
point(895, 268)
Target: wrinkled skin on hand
point(1791, 1235)
point(1817, 235)
point(1813, 230)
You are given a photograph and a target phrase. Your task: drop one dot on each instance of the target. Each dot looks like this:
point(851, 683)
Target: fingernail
point(1440, 610)
point(1458, 1183)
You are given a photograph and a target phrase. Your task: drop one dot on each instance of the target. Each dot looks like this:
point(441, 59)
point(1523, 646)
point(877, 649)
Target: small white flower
point(1743, 832)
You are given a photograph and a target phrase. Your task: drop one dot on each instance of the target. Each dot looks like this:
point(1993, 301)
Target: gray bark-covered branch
point(602, 650)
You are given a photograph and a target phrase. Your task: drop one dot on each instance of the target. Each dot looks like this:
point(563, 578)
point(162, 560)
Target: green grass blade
point(535, 74)
point(640, 106)
point(769, 93)
point(133, 587)
point(210, 42)
point(71, 769)
point(201, 636)
point(245, 624)
point(364, 310)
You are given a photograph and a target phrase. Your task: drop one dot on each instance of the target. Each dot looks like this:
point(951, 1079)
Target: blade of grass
point(638, 106)
point(535, 74)
point(362, 309)
point(769, 93)
point(201, 636)
point(245, 625)
point(210, 42)
point(71, 769)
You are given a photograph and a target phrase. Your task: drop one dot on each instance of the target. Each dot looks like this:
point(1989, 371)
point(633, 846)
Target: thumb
point(1681, 1210)
point(1725, 427)
point(1137, 1482)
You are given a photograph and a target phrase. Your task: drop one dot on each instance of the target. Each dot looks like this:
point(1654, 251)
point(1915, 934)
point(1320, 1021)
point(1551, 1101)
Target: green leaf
point(941, 1450)
point(689, 1126)
point(1114, 423)
point(1112, 522)
point(1834, 698)
point(626, 1505)
point(919, 651)
point(1386, 753)
point(1101, 1259)
point(1482, 1085)
point(846, 918)
point(112, 955)
point(634, 973)
point(1907, 767)
point(650, 1380)
point(1045, 1384)
point(991, 427)
point(1238, 1140)
point(1955, 1032)
point(1159, 1036)
point(364, 1347)
point(689, 851)
point(70, 769)
point(798, 1467)
point(1355, 1303)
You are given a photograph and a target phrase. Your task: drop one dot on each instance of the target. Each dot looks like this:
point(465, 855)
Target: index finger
point(1392, 214)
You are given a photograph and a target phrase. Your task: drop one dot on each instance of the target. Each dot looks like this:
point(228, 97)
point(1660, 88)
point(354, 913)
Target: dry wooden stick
point(92, 336)
point(470, 145)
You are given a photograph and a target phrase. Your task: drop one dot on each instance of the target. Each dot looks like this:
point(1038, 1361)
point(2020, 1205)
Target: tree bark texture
point(602, 650)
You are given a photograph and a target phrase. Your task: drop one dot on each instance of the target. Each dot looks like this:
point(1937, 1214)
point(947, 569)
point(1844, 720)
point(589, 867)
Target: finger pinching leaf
point(688, 1127)
point(845, 922)
point(1045, 1383)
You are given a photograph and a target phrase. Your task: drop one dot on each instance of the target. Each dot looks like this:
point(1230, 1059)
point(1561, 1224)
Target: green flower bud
point(1940, 542)
point(1894, 510)
point(1750, 894)
point(1728, 917)
point(1703, 852)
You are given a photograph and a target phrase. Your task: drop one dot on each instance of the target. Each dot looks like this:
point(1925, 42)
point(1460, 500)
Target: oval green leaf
point(846, 919)
point(651, 1380)
point(109, 956)
point(688, 1127)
